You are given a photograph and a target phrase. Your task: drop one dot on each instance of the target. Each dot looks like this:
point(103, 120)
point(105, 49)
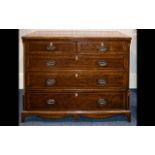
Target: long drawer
point(50, 63)
point(77, 79)
point(75, 101)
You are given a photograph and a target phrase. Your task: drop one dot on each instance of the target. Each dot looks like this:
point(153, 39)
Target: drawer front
point(50, 63)
point(76, 79)
point(100, 101)
point(76, 101)
point(102, 47)
point(52, 47)
point(39, 101)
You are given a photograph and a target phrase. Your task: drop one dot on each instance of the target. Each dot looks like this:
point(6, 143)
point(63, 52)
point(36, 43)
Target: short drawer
point(103, 47)
point(52, 47)
point(76, 101)
point(77, 79)
point(48, 101)
point(50, 63)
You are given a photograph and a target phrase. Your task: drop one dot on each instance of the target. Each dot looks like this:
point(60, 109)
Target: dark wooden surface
point(77, 79)
point(113, 47)
point(75, 101)
point(40, 62)
point(61, 47)
point(76, 71)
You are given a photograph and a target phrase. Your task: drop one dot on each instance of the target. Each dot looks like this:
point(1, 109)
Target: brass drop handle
point(50, 82)
point(102, 63)
point(51, 63)
point(101, 82)
point(102, 47)
point(51, 47)
point(101, 101)
point(51, 101)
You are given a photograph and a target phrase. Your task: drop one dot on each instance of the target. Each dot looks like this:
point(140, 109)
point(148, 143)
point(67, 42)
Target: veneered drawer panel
point(100, 101)
point(76, 101)
point(77, 79)
point(103, 47)
point(53, 47)
point(50, 63)
point(54, 101)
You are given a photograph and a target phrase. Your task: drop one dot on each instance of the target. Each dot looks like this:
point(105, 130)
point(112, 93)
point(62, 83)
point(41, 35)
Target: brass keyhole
point(76, 58)
point(76, 75)
point(102, 43)
point(51, 44)
point(76, 94)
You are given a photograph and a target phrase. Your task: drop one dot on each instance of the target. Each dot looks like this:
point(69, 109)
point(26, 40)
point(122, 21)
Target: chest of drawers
point(76, 73)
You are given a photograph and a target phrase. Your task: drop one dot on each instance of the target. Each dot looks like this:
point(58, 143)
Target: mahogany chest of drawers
point(76, 73)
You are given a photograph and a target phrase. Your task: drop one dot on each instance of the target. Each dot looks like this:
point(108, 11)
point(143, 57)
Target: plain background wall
point(133, 54)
